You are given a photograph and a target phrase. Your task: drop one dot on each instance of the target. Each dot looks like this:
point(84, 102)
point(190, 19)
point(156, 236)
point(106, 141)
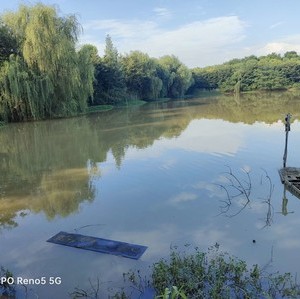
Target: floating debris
point(132, 251)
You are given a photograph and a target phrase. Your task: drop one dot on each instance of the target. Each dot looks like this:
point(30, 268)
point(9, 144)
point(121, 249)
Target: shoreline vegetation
point(40, 82)
point(182, 275)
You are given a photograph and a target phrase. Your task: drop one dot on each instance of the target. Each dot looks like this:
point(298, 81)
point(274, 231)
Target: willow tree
point(48, 61)
point(23, 93)
point(179, 76)
point(88, 57)
point(141, 75)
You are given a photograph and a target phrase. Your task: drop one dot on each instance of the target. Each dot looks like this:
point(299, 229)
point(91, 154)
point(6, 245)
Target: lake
point(156, 175)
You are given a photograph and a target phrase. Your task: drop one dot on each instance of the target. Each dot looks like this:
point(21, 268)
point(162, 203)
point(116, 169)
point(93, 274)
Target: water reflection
point(146, 175)
point(43, 165)
point(257, 107)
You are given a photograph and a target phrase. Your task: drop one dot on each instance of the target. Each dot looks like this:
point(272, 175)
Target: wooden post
point(287, 129)
point(284, 210)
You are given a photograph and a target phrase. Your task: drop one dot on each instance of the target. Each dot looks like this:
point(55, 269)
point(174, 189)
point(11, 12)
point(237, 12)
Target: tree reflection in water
point(48, 166)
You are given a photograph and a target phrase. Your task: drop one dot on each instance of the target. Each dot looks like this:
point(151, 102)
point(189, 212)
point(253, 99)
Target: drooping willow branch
point(48, 77)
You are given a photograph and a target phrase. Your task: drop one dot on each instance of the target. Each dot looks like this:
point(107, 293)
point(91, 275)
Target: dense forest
point(270, 72)
point(119, 78)
point(44, 75)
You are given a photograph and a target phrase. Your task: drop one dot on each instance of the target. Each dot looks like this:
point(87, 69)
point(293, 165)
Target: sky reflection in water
point(151, 176)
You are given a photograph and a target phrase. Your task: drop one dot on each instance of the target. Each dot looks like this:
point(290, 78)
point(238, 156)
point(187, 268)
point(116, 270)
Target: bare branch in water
point(88, 225)
point(227, 202)
point(238, 190)
point(243, 188)
point(270, 211)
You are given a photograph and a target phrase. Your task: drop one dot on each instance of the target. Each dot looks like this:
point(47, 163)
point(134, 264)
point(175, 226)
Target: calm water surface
point(153, 175)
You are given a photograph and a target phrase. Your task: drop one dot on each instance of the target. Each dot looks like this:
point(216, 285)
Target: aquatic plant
point(7, 287)
point(211, 274)
point(215, 274)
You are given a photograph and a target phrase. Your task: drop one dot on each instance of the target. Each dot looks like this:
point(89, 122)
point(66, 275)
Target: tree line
point(43, 74)
point(119, 78)
point(270, 72)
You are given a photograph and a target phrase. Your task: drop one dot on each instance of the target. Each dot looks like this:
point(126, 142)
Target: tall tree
point(141, 75)
point(45, 79)
point(87, 59)
point(179, 76)
point(110, 87)
point(111, 54)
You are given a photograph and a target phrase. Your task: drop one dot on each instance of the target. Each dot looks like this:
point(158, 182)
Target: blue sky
point(198, 32)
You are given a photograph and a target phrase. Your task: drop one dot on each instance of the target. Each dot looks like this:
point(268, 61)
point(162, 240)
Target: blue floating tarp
point(132, 251)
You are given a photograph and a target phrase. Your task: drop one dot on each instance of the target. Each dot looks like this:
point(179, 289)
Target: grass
point(212, 274)
point(218, 275)
point(128, 103)
point(132, 102)
point(7, 290)
point(206, 93)
point(2, 124)
point(99, 108)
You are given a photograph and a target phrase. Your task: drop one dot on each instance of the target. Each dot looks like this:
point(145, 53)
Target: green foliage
point(86, 57)
point(218, 275)
point(270, 72)
point(43, 76)
point(8, 43)
point(98, 108)
point(7, 290)
point(140, 75)
point(179, 77)
point(48, 78)
point(173, 293)
point(24, 93)
point(110, 87)
point(152, 79)
point(212, 274)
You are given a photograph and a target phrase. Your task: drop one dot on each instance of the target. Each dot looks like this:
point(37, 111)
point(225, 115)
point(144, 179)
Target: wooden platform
point(290, 176)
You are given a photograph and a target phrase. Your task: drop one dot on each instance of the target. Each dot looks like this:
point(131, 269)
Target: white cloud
point(280, 47)
point(208, 235)
point(123, 29)
point(207, 136)
point(275, 25)
point(203, 136)
point(163, 12)
point(197, 43)
point(183, 197)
